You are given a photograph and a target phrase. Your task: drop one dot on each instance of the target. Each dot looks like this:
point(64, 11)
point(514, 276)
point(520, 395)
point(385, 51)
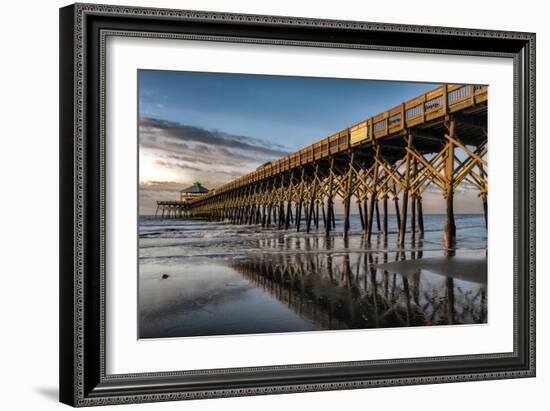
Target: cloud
point(188, 153)
point(155, 131)
point(203, 154)
point(180, 165)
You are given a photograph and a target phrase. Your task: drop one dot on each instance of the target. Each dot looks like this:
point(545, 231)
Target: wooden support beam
point(361, 215)
point(413, 203)
point(274, 212)
point(329, 198)
point(348, 194)
point(270, 199)
point(420, 217)
point(374, 199)
point(377, 208)
point(317, 215)
point(403, 227)
point(289, 202)
point(385, 208)
point(282, 218)
point(397, 214)
point(250, 211)
point(450, 228)
point(300, 200)
point(287, 214)
point(312, 200)
point(258, 216)
point(324, 215)
point(366, 214)
point(484, 201)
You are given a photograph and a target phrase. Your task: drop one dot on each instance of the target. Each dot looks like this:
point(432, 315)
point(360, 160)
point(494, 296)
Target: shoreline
point(223, 279)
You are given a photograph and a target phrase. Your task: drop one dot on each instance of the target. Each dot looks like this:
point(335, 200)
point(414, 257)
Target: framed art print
point(261, 204)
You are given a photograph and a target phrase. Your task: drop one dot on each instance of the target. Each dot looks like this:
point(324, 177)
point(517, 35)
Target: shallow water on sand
point(199, 278)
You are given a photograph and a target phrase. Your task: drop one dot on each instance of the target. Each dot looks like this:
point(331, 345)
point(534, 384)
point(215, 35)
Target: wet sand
point(465, 268)
point(203, 279)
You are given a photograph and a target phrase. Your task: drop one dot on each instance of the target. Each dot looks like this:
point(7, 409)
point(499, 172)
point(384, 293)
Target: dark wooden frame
point(83, 29)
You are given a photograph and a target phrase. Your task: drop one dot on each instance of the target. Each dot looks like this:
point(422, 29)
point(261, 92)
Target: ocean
point(201, 278)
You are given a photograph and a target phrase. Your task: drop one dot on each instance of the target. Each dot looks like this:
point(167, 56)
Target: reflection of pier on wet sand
point(343, 290)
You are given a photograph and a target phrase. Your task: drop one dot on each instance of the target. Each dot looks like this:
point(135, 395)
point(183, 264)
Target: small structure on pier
point(187, 196)
point(192, 192)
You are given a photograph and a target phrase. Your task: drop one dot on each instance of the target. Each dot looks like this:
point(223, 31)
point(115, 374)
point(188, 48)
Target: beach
point(201, 278)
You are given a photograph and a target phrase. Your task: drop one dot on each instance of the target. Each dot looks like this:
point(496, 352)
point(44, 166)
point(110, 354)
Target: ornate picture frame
point(84, 29)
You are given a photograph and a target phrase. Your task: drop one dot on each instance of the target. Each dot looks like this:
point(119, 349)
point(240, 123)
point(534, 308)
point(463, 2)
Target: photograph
point(283, 204)
point(255, 202)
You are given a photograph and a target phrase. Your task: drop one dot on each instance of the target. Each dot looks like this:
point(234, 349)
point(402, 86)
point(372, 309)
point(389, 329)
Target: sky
point(215, 127)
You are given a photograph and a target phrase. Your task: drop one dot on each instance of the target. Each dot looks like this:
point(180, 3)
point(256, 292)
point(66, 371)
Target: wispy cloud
point(177, 133)
point(180, 165)
point(192, 153)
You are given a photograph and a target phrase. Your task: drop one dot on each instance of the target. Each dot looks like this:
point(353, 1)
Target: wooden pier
point(438, 139)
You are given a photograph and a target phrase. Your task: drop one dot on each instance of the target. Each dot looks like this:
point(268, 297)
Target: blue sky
point(290, 111)
point(213, 128)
